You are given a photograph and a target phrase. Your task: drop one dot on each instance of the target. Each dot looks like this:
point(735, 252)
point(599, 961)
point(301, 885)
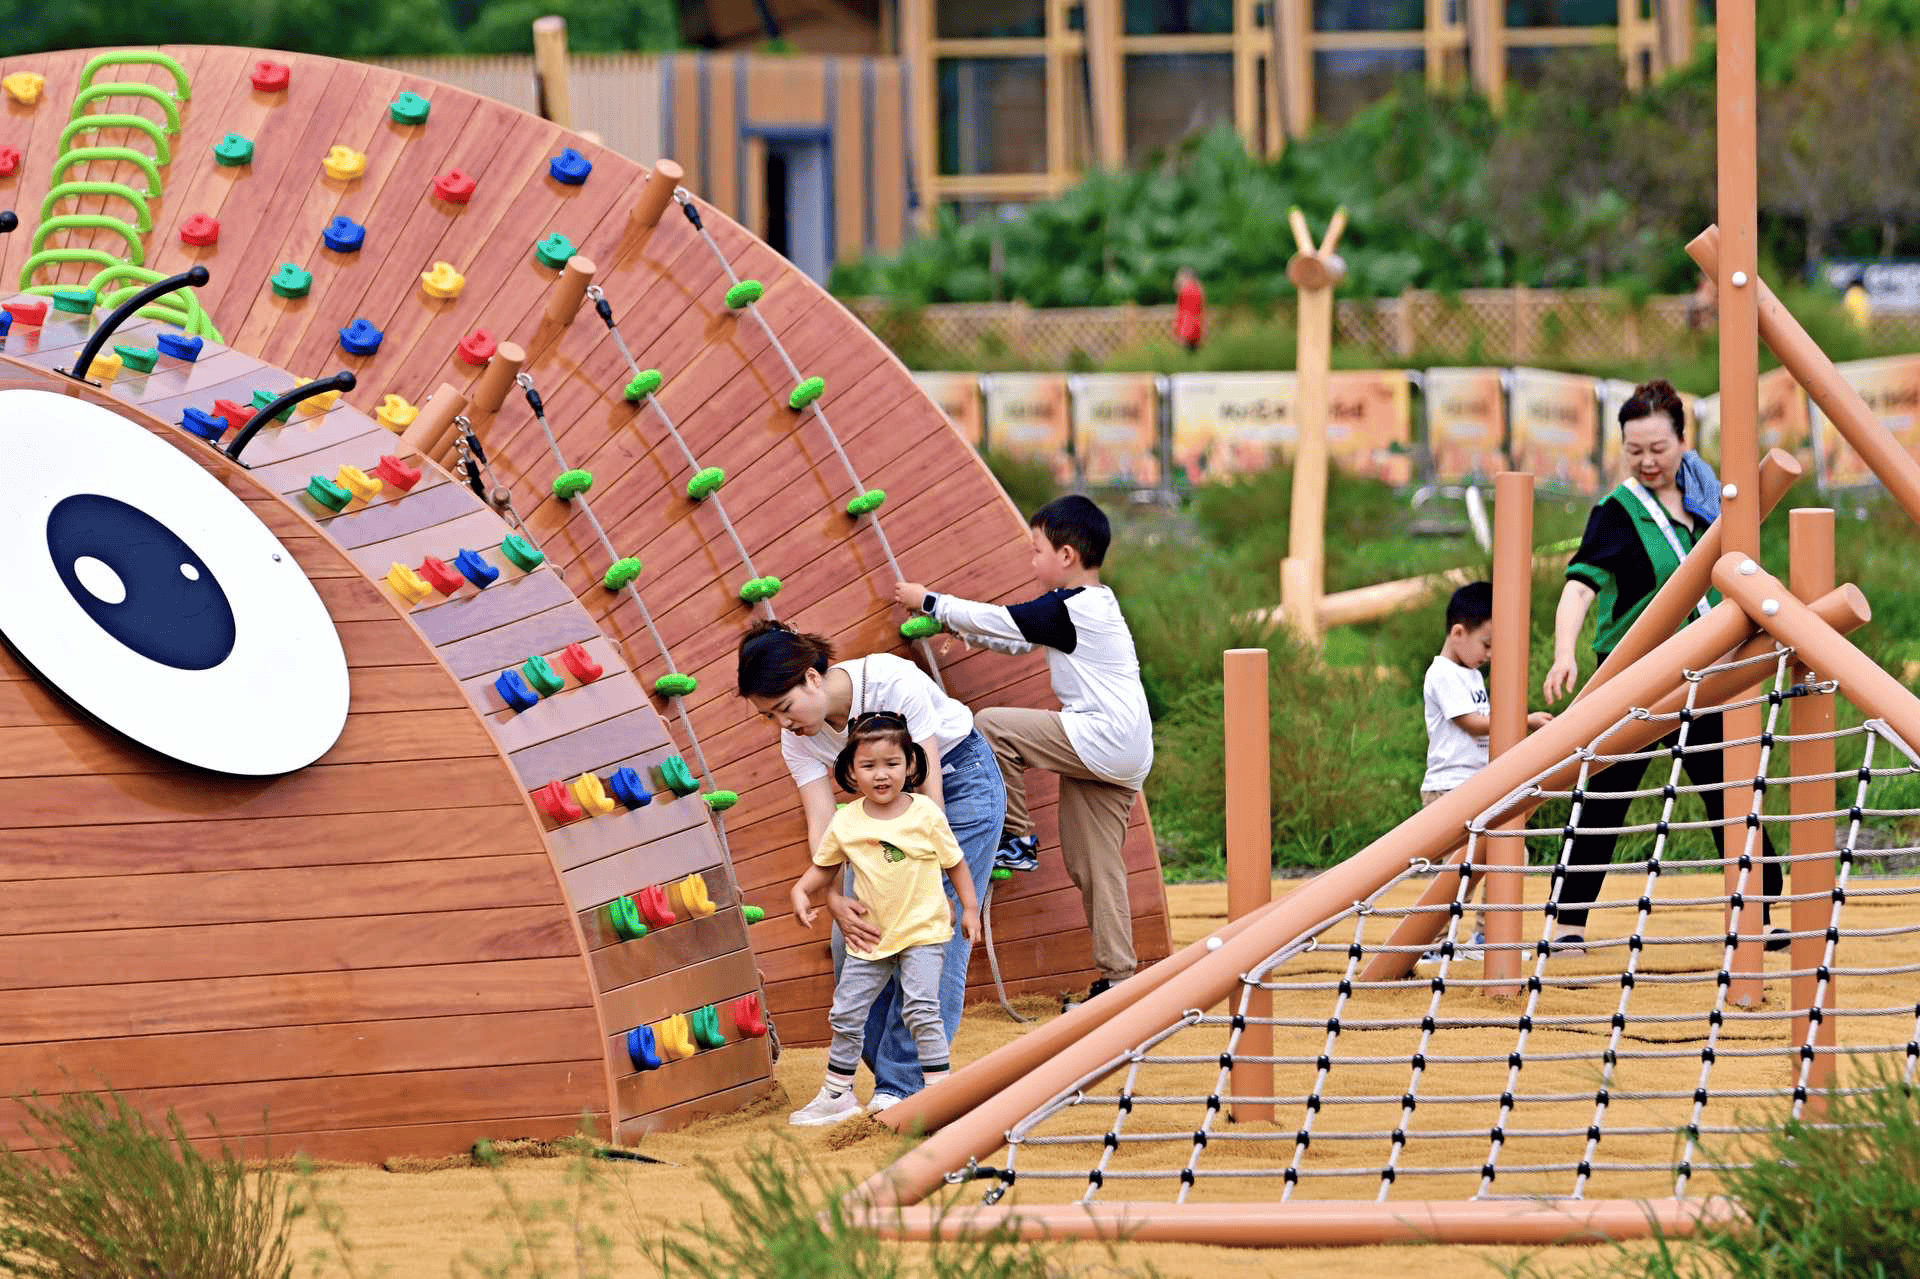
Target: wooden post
point(564, 303)
point(1487, 49)
point(1315, 272)
point(1105, 70)
point(656, 195)
point(435, 419)
point(1290, 65)
point(553, 84)
point(1249, 854)
point(923, 120)
point(1512, 634)
point(1810, 550)
point(497, 378)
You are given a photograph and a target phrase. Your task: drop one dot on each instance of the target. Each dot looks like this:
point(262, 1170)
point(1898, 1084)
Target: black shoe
point(1779, 939)
point(1094, 991)
point(1018, 852)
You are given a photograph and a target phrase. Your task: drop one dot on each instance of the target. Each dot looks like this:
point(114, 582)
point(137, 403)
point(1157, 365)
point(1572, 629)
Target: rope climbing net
point(1627, 1068)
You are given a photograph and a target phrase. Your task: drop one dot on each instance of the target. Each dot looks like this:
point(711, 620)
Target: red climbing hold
point(576, 659)
point(445, 578)
point(397, 473)
point(236, 414)
point(557, 802)
point(455, 186)
point(652, 901)
point(200, 229)
point(477, 347)
point(30, 311)
point(747, 1017)
point(271, 77)
point(9, 161)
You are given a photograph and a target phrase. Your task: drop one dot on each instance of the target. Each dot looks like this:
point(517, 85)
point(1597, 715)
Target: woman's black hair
point(775, 659)
point(1651, 399)
point(880, 726)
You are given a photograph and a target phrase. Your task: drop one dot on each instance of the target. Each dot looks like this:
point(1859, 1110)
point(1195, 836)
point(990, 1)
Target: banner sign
point(1116, 428)
point(1236, 423)
point(1784, 420)
point(1466, 425)
point(1027, 418)
point(1891, 388)
point(958, 395)
point(1555, 428)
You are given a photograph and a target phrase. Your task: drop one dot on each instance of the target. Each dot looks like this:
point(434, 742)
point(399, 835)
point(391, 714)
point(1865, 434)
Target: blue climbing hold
point(344, 235)
point(641, 1050)
point(360, 338)
point(179, 346)
point(6, 322)
point(629, 788)
point(515, 691)
point(203, 424)
point(475, 569)
point(570, 167)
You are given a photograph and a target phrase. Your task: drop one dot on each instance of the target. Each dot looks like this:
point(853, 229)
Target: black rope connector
point(1111, 1141)
point(1200, 1138)
point(534, 402)
point(604, 309)
point(1291, 1176)
point(1593, 1132)
point(1760, 783)
point(1213, 1101)
point(1323, 1062)
point(1126, 1103)
point(1226, 1061)
point(1636, 942)
point(1766, 739)
point(1822, 973)
point(1585, 1169)
point(1723, 978)
point(1399, 1137)
point(1498, 1134)
point(1354, 951)
point(1333, 1025)
point(1716, 1018)
point(693, 215)
point(1506, 1101)
point(1534, 983)
point(1609, 1057)
point(1456, 908)
point(1686, 715)
point(1313, 1102)
point(1806, 1052)
point(1579, 796)
point(1439, 984)
point(1774, 697)
point(1186, 1176)
point(1699, 1096)
point(1855, 814)
point(1526, 1021)
point(1515, 1061)
point(1569, 831)
point(1693, 1132)
point(1686, 1168)
point(1302, 1139)
point(1408, 1101)
point(1486, 1172)
point(1419, 1061)
point(1753, 821)
point(1602, 1098)
point(1095, 1177)
point(1346, 986)
point(1386, 1175)
point(1706, 1054)
point(1239, 1021)
point(1800, 1090)
point(1816, 1014)
point(1866, 773)
point(1427, 1025)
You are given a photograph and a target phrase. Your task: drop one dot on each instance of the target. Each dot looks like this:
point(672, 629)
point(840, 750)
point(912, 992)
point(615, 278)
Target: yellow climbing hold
point(395, 413)
point(344, 163)
point(320, 403)
point(442, 281)
point(407, 584)
point(690, 897)
point(592, 794)
point(24, 86)
point(106, 366)
point(674, 1037)
point(357, 482)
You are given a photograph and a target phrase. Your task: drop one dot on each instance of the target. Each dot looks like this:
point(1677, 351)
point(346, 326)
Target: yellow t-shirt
point(897, 870)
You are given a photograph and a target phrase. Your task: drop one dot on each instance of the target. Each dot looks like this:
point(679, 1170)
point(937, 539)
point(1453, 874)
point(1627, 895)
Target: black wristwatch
point(927, 602)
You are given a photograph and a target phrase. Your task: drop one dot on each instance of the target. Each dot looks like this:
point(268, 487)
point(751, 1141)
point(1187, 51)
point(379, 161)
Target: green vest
point(1617, 615)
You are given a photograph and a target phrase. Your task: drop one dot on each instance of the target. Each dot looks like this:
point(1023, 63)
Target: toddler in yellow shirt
point(898, 844)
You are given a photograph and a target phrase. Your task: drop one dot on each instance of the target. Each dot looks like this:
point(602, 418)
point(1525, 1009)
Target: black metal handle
point(192, 277)
point(341, 381)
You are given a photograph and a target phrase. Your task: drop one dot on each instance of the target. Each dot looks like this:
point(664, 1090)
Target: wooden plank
point(475, 529)
point(584, 843)
point(633, 1132)
point(597, 929)
point(492, 651)
point(426, 506)
point(591, 749)
point(573, 707)
point(661, 860)
point(670, 949)
point(645, 1002)
point(482, 695)
point(353, 440)
point(466, 616)
point(712, 1070)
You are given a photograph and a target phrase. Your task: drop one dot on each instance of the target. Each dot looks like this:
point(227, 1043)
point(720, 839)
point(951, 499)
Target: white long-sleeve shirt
point(1090, 655)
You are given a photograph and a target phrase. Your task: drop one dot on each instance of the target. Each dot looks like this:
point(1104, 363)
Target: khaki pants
point(1093, 822)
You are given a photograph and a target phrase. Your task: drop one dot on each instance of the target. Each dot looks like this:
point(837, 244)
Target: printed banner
point(1555, 428)
point(1116, 428)
point(1466, 427)
point(958, 395)
point(1027, 418)
point(1891, 388)
point(1235, 423)
point(1613, 394)
point(1784, 419)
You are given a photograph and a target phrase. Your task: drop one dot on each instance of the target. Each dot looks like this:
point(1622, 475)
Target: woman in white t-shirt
point(792, 680)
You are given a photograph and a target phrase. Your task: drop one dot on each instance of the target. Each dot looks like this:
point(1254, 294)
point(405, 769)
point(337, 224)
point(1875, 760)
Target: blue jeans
point(976, 806)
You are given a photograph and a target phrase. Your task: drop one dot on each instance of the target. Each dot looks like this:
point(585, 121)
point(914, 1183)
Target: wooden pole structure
point(497, 378)
point(1315, 272)
point(553, 84)
point(1105, 69)
point(564, 302)
point(656, 195)
point(1249, 855)
point(1810, 541)
point(1512, 634)
point(435, 419)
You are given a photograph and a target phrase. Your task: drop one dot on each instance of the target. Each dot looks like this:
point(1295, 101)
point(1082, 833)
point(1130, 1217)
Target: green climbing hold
point(706, 483)
point(524, 554)
point(753, 914)
point(622, 572)
point(571, 484)
point(760, 588)
point(292, 280)
point(75, 301)
point(706, 1028)
point(1001, 872)
point(721, 800)
point(675, 685)
point(328, 494)
point(868, 501)
point(263, 398)
point(644, 383)
point(625, 918)
point(554, 250)
point(676, 777)
point(140, 359)
point(409, 108)
point(234, 149)
point(807, 392)
point(920, 627)
point(745, 293)
point(540, 673)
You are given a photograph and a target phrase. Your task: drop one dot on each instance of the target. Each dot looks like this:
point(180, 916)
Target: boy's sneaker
point(1466, 950)
point(1018, 852)
point(880, 1101)
point(826, 1108)
point(1094, 991)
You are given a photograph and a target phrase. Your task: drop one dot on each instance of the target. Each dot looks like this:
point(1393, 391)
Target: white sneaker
point(825, 1109)
point(881, 1100)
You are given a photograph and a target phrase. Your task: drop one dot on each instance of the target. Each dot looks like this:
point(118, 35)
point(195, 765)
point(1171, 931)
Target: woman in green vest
point(1636, 537)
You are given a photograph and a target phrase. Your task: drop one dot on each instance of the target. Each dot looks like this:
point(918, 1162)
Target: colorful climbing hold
point(396, 472)
point(291, 280)
point(806, 393)
point(409, 108)
point(237, 415)
point(455, 186)
point(441, 574)
point(554, 250)
point(200, 229)
point(6, 326)
point(9, 161)
point(442, 281)
point(675, 1037)
point(477, 347)
point(748, 1018)
point(233, 150)
point(557, 802)
point(540, 673)
point(753, 914)
point(395, 413)
point(344, 235)
point(920, 627)
point(271, 77)
point(570, 484)
point(721, 800)
point(360, 338)
point(320, 403)
point(328, 494)
point(591, 794)
point(624, 918)
point(344, 164)
point(200, 422)
point(140, 359)
point(178, 346)
point(106, 366)
point(24, 86)
point(569, 168)
point(706, 482)
point(760, 588)
point(643, 1050)
point(690, 897)
point(676, 776)
point(474, 567)
point(677, 684)
point(407, 584)
point(75, 301)
point(577, 660)
point(1000, 873)
point(629, 788)
point(622, 573)
point(524, 555)
point(706, 1028)
point(652, 901)
point(644, 383)
point(745, 293)
point(867, 502)
point(514, 690)
point(28, 311)
point(364, 487)
point(262, 398)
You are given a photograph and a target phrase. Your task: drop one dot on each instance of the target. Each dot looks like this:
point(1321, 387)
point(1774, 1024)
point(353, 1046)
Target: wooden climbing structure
point(519, 886)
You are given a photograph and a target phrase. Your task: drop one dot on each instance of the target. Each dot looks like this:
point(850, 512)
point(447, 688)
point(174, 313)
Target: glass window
point(1369, 15)
point(1179, 17)
point(993, 115)
point(1562, 13)
point(1345, 80)
point(977, 19)
point(1171, 96)
point(1529, 68)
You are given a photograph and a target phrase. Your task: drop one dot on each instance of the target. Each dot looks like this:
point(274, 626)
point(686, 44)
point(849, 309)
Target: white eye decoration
point(137, 585)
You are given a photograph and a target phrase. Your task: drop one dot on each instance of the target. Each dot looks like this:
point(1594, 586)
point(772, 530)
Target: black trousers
point(1606, 806)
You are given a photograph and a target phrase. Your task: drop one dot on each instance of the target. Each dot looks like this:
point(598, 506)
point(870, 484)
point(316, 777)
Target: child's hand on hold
point(1538, 720)
point(909, 594)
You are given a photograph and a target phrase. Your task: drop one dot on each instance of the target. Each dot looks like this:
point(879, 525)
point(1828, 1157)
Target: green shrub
point(1030, 484)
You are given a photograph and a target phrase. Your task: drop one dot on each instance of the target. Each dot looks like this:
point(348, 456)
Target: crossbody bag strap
point(1665, 524)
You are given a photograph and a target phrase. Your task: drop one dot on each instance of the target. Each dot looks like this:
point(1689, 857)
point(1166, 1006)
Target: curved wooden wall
point(948, 520)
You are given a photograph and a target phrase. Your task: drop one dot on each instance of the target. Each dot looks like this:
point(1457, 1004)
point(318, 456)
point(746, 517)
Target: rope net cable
point(1623, 1069)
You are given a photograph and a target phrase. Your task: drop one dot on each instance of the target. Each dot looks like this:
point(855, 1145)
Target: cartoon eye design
point(148, 594)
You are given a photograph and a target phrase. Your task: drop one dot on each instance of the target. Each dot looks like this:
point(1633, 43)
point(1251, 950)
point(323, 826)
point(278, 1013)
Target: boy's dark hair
point(880, 726)
point(775, 658)
point(1655, 399)
point(1077, 522)
point(1471, 605)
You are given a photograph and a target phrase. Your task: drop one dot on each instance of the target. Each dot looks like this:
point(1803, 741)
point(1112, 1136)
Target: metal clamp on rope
point(601, 307)
point(971, 1172)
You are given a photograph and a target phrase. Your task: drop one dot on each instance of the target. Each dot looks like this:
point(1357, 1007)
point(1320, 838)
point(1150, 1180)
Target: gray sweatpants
point(862, 980)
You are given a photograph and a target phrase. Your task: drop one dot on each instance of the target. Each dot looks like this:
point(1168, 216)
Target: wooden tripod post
point(1315, 272)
